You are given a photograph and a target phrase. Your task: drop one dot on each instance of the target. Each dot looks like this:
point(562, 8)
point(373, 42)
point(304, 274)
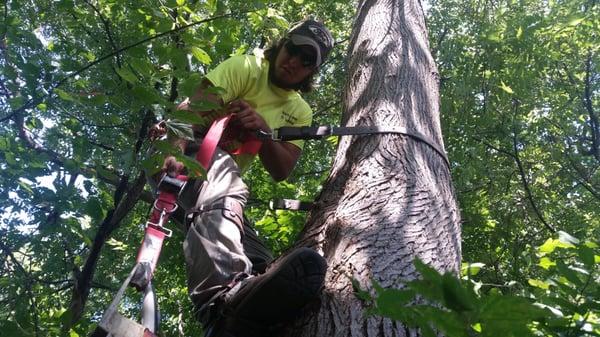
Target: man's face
point(293, 64)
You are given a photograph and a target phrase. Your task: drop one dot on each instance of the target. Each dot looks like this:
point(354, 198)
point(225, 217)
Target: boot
point(257, 306)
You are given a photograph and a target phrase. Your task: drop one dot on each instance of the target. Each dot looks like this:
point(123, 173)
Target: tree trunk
point(389, 198)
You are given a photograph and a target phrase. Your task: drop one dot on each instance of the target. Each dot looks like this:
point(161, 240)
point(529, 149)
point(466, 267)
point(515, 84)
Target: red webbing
point(250, 144)
point(151, 246)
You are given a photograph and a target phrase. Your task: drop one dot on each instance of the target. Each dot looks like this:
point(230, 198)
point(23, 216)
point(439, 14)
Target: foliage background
point(81, 81)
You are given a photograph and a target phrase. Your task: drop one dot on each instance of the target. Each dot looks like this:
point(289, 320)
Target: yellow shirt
point(247, 77)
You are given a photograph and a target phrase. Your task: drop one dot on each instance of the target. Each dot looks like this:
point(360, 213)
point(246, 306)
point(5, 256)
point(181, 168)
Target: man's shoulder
point(247, 61)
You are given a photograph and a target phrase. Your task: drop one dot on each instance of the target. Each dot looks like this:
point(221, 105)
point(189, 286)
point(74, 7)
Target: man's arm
point(278, 158)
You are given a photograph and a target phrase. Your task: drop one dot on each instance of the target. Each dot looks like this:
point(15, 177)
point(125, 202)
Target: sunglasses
point(307, 59)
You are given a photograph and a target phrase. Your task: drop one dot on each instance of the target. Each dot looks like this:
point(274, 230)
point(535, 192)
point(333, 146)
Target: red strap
point(211, 140)
point(250, 144)
point(151, 246)
point(166, 201)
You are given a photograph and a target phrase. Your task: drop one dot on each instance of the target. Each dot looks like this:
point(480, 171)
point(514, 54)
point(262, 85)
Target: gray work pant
point(217, 247)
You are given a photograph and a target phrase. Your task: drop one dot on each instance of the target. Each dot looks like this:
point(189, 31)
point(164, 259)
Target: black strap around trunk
point(288, 133)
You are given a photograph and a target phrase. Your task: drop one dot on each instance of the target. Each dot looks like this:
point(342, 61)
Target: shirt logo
point(288, 117)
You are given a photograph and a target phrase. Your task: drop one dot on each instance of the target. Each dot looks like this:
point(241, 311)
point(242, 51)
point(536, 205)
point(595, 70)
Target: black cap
point(314, 34)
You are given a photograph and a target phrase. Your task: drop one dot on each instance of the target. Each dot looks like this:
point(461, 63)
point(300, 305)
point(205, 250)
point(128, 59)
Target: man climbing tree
point(389, 198)
point(260, 94)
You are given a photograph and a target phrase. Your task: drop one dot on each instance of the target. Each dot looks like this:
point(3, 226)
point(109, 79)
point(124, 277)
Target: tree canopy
point(81, 82)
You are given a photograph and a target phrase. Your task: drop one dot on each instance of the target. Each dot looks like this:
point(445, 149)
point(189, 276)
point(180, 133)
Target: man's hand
point(172, 167)
point(246, 116)
point(157, 131)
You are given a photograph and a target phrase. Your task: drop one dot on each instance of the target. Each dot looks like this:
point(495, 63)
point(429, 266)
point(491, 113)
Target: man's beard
point(278, 83)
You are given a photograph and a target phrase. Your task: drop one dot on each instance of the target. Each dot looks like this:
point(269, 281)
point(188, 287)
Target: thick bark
point(389, 198)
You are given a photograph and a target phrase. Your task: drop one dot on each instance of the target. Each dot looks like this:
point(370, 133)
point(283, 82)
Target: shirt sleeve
point(304, 118)
point(233, 75)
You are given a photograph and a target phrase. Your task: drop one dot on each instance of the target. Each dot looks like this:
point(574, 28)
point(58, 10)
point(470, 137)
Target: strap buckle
point(263, 135)
point(164, 210)
point(159, 228)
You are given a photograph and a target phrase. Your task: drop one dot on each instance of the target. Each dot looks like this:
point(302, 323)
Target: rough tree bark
point(389, 198)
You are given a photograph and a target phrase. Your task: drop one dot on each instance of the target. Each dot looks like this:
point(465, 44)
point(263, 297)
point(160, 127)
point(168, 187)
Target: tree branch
point(57, 159)
point(83, 278)
point(587, 102)
point(106, 25)
point(515, 156)
point(35, 101)
point(526, 183)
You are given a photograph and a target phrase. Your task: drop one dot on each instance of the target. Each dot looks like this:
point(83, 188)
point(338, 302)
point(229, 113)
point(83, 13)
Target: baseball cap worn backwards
point(314, 34)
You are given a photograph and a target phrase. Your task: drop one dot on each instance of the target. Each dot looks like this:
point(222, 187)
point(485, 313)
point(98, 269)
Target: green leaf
point(103, 172)
point(568, 273)
point(94, 209)
point(194, 168)
point(471, 269)
point(190, 85)
point(116, 244)
point(566, 238)
point(201, 55)
point(586, 255)
point(360, 293)
point(165, 147)
point(505, 308)
point(25, 186)
point(153, 164)
point(144, 94)
point(202, 105)
point(126, 74)
point(546, 263)
point(392, 302)
point(551, 244)
point(215, 90)
point(506, 88)
point(64, 95)
point(180, 130)
point(575, 21)
point(430, 286)
point(539, 284)
point(457, 297)
point(186, 117)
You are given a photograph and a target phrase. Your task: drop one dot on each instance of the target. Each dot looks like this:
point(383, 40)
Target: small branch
point(100, 145)
point(521, 170)
point(439, 41)
point(526, 184)
point(106, 25)
point(85, 29)
point(325, 109)
point(495, 148)
point(587, 102)
point(7, 117)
